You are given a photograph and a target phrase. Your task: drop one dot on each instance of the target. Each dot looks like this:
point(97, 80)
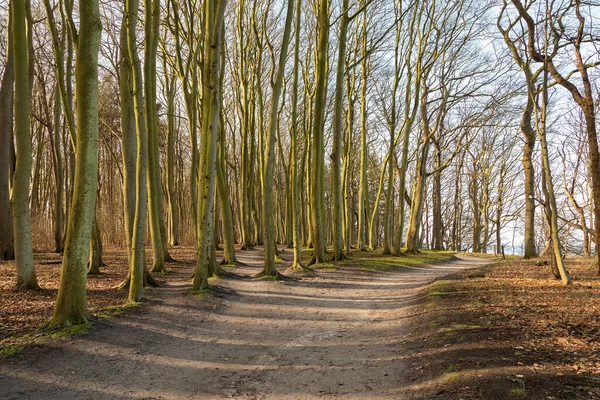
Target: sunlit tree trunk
point(317, 196)
point(214, 11)
point(293, 167)
point(338, 132)
point(58, 177)
point(138, 256)
point(268, 219)
point(363, 184)
point(172, 206)
point(71, 300)
point(26, 278)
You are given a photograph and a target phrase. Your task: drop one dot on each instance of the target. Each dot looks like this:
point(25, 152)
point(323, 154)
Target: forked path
point(335, 334)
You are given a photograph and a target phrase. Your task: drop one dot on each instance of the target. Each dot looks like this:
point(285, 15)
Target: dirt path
point(337, 334)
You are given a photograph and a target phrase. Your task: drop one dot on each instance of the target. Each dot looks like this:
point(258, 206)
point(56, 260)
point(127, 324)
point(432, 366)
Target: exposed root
point(277, 276)
point(339, 257)
point(298, 268)
point(235, 262)
point(160, 269)
point(32, 285)
point(149, 281)
point(316, 260)
point(413, 251)
point(223, 273)
point(221, 291)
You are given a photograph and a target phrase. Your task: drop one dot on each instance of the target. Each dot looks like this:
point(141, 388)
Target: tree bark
point(317, 196)
point(21, 213)
point(7, 251)
point(214, 11)
point(71, 300)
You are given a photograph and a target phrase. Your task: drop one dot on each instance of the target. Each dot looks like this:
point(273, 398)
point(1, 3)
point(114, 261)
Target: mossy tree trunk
point(21, 213)
point(338, 132)
point(172, 205)
point(152, 13)
point(293, 167)
point(268, 211)
point(317, 195)
point(137, 261)
point(224, 199)
point(71, 300)
point(214, 12)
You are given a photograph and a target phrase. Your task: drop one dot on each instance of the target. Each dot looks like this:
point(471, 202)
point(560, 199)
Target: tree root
point(149, 281)
point(339, 257)
point(299, 268)
point(316, 260)
point(220, 272)
point(278, 276)
point(413, 252)
point(234, 262)
point(94, 272)
point(159, 270)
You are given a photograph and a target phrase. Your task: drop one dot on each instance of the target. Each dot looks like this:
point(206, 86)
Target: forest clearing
point(378, 199)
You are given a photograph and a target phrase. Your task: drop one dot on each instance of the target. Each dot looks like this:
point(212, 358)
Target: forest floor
point(372, 327)
point(510, 331)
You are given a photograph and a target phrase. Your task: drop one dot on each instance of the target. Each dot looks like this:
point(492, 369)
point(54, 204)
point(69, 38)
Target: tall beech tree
point(70, 306)
point(276, 88)
point(6, 134)
point(21, 213)
point(214, 14)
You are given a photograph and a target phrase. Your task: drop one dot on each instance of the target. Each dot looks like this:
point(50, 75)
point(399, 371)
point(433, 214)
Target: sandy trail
point(337, 334)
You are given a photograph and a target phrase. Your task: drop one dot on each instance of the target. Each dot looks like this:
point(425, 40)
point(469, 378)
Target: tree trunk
point(71, 300)
point(26, 278)
point(6, 132)
point(268, 222)
point(58, 178)
point(214, 11)
point(173, 214)
point(152, 11)
point(137, 260)
point(317, 195)
point(338, 131)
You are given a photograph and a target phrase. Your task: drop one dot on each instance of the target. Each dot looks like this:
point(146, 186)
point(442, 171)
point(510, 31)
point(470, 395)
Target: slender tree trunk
point(57, 163)
point(268, 222)
point(338, 131)
point(214, 11)
point(528, 148)
point(293, 167)
point(6, 132)
point(317, 196)
point(138, 257)
point(71, 300)
point(26, 278)
point(152, 11)
point(95, 260)
point(173, 228)
point(363, 184)
point(229, 257)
